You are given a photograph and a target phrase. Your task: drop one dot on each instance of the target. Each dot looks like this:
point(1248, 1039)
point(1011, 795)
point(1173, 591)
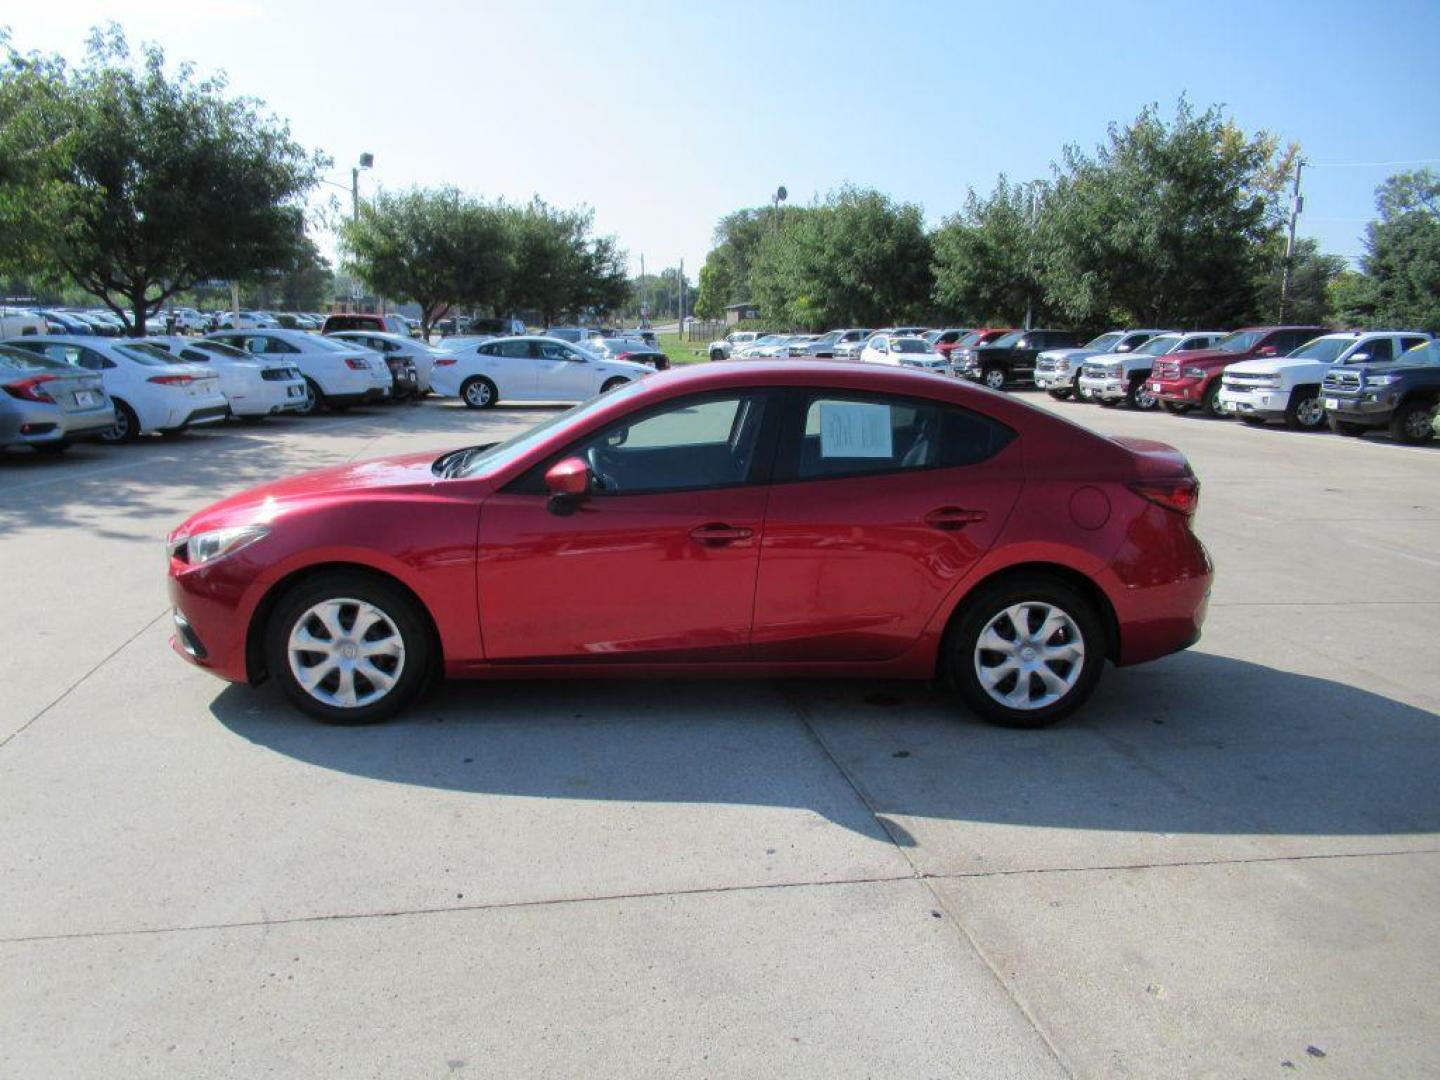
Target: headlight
point(1062, 365)
point(1194, 373)
point(206, 547)
point(1381, 380)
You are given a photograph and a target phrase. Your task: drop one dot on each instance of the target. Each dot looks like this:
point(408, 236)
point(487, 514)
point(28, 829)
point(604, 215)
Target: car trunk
point(1154, 460)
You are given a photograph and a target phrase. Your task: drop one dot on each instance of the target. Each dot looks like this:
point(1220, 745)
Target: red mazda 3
point(796, 519)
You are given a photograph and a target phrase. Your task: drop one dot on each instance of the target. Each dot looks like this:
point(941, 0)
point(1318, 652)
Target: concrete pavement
point(1227, 865)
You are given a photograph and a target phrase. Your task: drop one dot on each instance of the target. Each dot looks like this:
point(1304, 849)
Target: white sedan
point(150, 390)
point(255, 386)
point(903, 351)
point(527, 369)
point(337, 374)
point(421, 355)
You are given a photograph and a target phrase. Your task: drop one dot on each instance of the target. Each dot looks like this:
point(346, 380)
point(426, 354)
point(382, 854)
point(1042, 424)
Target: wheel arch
point(255, 670)
point(1067, 575)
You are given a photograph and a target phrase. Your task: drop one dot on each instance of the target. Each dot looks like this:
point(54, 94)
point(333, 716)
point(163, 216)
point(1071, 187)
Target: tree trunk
point(138, 314)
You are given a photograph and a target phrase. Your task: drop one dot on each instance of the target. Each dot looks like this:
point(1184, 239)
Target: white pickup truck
point(1288, 388)
point(17, 323)
point(1111, 378)
point(726, 346)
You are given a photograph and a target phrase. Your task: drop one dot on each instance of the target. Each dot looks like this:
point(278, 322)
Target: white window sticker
point(852, 430)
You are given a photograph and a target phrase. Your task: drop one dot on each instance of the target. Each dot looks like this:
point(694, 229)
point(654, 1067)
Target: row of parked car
point(58, 388)
point(1304, 376)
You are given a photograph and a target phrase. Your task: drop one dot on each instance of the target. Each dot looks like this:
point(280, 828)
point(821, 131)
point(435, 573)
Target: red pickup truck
point(1185, 381)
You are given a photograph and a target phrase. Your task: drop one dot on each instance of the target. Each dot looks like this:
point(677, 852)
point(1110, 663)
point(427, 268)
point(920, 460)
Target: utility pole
point(1297, 203)
point(680, 302)
point(644, 294)
point(1034, 220)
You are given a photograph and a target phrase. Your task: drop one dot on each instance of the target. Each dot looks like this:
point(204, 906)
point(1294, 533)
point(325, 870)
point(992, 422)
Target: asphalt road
point(1228, 865)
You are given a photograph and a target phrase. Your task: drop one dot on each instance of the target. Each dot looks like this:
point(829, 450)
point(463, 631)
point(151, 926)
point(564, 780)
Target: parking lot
point(1228, 864)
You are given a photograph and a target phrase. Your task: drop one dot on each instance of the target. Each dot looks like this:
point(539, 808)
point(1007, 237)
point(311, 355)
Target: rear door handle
point(719, 533)
point(950, 518)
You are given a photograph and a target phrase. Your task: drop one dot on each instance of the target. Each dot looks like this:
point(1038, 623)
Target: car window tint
point(514, 349)
point(1409, 343)
point(1380, 350)
point(687, 445)
point(855, 435)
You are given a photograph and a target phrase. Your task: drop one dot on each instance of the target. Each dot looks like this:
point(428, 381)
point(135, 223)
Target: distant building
point(736, 312)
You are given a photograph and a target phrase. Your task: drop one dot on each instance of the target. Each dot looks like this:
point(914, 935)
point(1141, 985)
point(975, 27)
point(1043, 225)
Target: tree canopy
point(152, 180)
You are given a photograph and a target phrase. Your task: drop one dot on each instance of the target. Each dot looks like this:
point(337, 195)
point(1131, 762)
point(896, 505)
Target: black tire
point(1059, 393)
point(479, 392)
point(611, 384)
point(1413, 423)
point(994, 378)
point(1210, 402)
point(127, 425)
point(1305, 411)
point(404, 616)
point(314, 399)
point(1082, 394)
point(1137, 397)
point(960, 651)
point(717, 354)
point(50, 449)
point(1176, 408)
point(1344, 427)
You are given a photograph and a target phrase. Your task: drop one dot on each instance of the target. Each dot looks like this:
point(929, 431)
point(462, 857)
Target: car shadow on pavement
point(1197, 744)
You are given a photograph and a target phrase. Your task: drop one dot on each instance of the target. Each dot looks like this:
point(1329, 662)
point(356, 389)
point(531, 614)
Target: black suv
point(1402, 395)
point(1012, 358)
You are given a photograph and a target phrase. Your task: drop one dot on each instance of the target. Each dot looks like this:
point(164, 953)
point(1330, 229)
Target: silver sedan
point(46, 403)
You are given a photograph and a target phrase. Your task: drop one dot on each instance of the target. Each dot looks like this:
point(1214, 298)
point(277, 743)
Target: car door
point(880, 506)
point(562, 372)
point(658, 563)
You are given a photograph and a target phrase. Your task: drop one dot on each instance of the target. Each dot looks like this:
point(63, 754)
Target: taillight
point(356, 365)
point(1181, 495)
point(171, 380)
point(30, 389)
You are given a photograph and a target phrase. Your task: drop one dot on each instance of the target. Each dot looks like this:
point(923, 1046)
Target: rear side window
point(855, 435)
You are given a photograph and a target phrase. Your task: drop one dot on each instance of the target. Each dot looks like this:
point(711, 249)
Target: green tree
point(1166, 224)
point(1311, 275)
point(559, 268)
point(156, 180)
point(855, 258)
point(986, 265)
point(437, 247)
point(725, 277)
point(1402, 260)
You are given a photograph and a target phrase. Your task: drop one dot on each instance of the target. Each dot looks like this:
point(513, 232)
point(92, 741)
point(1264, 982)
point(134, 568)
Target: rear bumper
point(1160, 587)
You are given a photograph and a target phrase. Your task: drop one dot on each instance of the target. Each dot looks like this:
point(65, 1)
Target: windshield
point(1323, 349)
point(22, 360)
point(1238, 342)
point(910, 345)
point(1158, 346)
point(1008, 340)
point(1105, 342)
point(971, 338)
point(477, 461)
point(148, 355)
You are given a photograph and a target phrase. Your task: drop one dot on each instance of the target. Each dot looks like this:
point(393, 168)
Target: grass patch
point(681, 351)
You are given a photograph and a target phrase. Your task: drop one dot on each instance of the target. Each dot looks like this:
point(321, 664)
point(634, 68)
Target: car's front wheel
point(994, 378)
point(348, 648)
point(1413, 422)
point(1059, 393)
point(1306, 411)
point(1025, 652)
point(1140, 396)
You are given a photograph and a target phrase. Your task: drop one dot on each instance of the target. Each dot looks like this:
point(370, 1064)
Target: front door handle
point(719, 533)
point(950, 518)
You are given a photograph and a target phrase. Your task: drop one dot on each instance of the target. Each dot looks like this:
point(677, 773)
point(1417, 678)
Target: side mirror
point(1123, 348)
point(1267, 350)
point(1358, 358)
point(569, 484)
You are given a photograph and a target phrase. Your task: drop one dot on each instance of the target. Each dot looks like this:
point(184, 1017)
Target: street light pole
point(1297, 203)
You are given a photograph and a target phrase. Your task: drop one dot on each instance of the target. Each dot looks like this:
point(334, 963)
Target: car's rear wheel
point(1413, 422)
point(1176, 408)
point(348, 648)
point(1306, 411)
point(1025, 652)
point(478, 393)
point(314, 398)
point(127, 425)
point(994, 378)
point(1344, 427)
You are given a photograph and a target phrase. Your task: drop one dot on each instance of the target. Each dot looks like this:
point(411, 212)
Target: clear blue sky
point(663, 117)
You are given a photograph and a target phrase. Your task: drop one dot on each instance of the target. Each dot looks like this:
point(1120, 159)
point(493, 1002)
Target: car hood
point(1271, 367)
point(401, 474)
point(1069, 354)
point(1206, 357)
point(1389, 367)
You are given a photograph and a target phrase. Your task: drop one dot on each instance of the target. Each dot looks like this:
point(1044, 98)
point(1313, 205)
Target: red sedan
point(799, 518)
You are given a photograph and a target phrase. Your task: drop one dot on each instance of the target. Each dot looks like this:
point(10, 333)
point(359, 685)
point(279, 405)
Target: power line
point(1370, 164)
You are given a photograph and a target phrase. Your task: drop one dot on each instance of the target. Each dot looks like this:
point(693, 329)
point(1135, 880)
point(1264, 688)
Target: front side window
point(853, 435)
point(515, 350)
point(693, 444)
point(1379, 351)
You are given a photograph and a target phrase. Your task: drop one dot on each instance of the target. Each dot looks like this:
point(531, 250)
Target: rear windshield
point(22, 360)
point(219, 348)
point(911, 345)
point(148, 355)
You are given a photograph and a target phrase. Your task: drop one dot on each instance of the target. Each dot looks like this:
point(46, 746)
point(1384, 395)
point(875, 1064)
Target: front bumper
point(1266, 402)
point(1372, 408)
point(1054, 380)
point(1179, 391)
point(1104, 387)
